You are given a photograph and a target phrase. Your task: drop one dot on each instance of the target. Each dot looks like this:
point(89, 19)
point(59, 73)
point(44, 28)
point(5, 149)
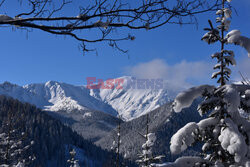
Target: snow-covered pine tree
point(14, 145)
point(225, 132)
point(116, 145)
point(72, 161)
point(146, 158)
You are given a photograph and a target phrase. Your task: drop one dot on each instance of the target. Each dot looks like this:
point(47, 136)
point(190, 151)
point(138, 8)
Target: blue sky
point(171, 52)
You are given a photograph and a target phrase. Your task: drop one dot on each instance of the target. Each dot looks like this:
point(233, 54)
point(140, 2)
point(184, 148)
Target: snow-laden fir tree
point(14, 145)
point(116, 145)
point(72, 161)
point(225, 132)
point(146, 158)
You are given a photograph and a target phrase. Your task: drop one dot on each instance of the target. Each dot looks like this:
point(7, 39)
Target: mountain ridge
point(129, 103)
point(55, 96)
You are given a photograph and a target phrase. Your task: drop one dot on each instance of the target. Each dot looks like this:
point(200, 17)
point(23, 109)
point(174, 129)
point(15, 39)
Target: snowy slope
point(132, 103)
point(163, 122)
point(55, 96)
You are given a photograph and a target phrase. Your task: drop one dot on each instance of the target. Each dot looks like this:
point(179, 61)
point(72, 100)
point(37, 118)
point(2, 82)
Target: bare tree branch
point(104, 16)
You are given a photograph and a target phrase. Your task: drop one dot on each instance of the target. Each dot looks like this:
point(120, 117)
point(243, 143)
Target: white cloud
point(243, 66)
point(154, 69)
point(180, 75)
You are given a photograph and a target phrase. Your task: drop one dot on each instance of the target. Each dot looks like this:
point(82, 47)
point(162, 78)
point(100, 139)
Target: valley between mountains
point(95, 113)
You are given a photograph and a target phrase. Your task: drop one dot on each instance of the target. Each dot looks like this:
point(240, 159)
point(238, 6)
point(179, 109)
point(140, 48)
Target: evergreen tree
point(146, 158)
point(117, 144)
point(72, 161)
point(225, 132)
point(14, 146)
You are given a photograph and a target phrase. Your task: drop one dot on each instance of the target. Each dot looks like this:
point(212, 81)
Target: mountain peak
point(133, 100)
point(56, 96)
point(127, 102)
point(6, 83)
point(8, 86)
point(51, 82)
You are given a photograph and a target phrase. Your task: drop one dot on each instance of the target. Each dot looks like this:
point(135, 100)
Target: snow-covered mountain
point(55, 96)
point(130, 103)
